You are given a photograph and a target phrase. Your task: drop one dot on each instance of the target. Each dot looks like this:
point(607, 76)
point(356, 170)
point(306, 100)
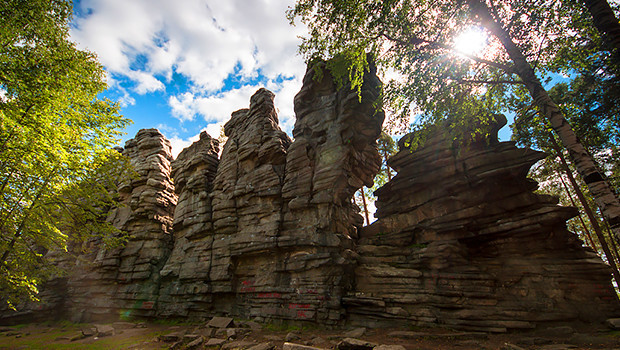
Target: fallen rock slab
point(389, 347)
point(356, 333)
point(558, 347)
point(293, 346)
point(194, 344)
point(292, 336)
point(215, 342)
point(171, 337)
point(613, 323)
point(263, 346)
point(123, 325)
point(104, 330)
point(239, 344)
point(355, 344)
point(220, 322)
point(89, 331)
point(509, 346)
point(426, 335)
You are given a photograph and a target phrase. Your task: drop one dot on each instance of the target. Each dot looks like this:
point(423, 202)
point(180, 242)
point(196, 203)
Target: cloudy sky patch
point(188, 64)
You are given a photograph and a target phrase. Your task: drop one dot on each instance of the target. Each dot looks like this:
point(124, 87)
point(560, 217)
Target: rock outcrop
point(125, 281)
point(269, 230)
point(277, 241)
point(185, 275)
point(462, 240)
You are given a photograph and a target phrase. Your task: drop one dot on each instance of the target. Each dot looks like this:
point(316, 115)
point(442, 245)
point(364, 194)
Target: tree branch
point(415, 42)
point(490, 82)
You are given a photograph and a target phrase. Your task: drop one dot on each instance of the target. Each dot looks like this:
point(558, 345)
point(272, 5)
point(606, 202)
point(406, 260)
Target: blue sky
point(184, 66)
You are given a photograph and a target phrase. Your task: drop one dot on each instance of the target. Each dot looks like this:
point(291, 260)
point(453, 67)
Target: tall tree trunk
point(596, 182)
point(366, 207)
point(605, 21)
point(586, 207)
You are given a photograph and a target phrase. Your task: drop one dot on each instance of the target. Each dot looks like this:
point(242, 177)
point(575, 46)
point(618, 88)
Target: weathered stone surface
point(355, 344)
point(355, 333)
point(293, 346)
point(263, 346)
point(389, 347)
point(220, 322)
point(215, 342)
point(261, 252)
point(334, 154)
point(195, 344)
point(238, 344)
point(104, 283)
point(462, 240)
point(104, 330)
point(613, 323)
point(269, 231)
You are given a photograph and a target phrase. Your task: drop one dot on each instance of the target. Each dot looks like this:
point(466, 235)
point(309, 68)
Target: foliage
point(386, 147)
point(55, 139)
point(415, 42)
point(588, 101)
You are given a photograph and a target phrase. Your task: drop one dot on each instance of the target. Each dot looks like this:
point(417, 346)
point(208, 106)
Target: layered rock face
point(333, 155)
point(269, 230)
point(277, 241)
point(126, 281)
point(185, 276)
point(462, 240)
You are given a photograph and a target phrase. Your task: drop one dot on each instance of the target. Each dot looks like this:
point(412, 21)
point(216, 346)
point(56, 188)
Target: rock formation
point(462, 240)
point(125, 281)
point(282, 222)
point(269, 230)
point(186, 273)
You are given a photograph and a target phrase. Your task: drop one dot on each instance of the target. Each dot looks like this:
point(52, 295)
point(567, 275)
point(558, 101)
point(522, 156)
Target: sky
point(184, 66)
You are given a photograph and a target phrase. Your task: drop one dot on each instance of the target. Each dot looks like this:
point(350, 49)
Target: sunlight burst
point(470, 42)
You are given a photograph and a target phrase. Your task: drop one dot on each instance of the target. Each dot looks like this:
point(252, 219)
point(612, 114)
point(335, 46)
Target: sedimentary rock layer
point(269, 230)
point(125, 281)
point(462, 240)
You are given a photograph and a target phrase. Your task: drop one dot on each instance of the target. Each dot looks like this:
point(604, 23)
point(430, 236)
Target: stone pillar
point(185, 289)
point(125, 281)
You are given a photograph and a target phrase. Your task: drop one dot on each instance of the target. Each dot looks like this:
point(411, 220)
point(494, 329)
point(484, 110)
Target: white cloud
point(215, 129)
point(179, 144)
point(183, 106)
point(146, 82)
point(216, 109)
point(205, 41)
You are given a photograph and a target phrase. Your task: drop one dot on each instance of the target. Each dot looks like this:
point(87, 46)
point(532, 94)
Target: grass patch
point(58, 337)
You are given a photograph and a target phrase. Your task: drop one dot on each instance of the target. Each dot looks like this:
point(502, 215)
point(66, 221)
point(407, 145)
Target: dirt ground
point(251, 335)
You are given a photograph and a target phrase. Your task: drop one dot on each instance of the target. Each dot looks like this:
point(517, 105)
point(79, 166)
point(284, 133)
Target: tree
point(55, 138)
point(365, 196)
point(418, 38)
point(605, 20)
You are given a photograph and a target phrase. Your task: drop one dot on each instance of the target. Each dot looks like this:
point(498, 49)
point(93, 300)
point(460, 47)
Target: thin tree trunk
point(597, 184)
point(589, 212)
point(614, 244)
point(605, 21)
point(590, 241)
point(365, 206)
point(20, 229)
point(387, 167)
